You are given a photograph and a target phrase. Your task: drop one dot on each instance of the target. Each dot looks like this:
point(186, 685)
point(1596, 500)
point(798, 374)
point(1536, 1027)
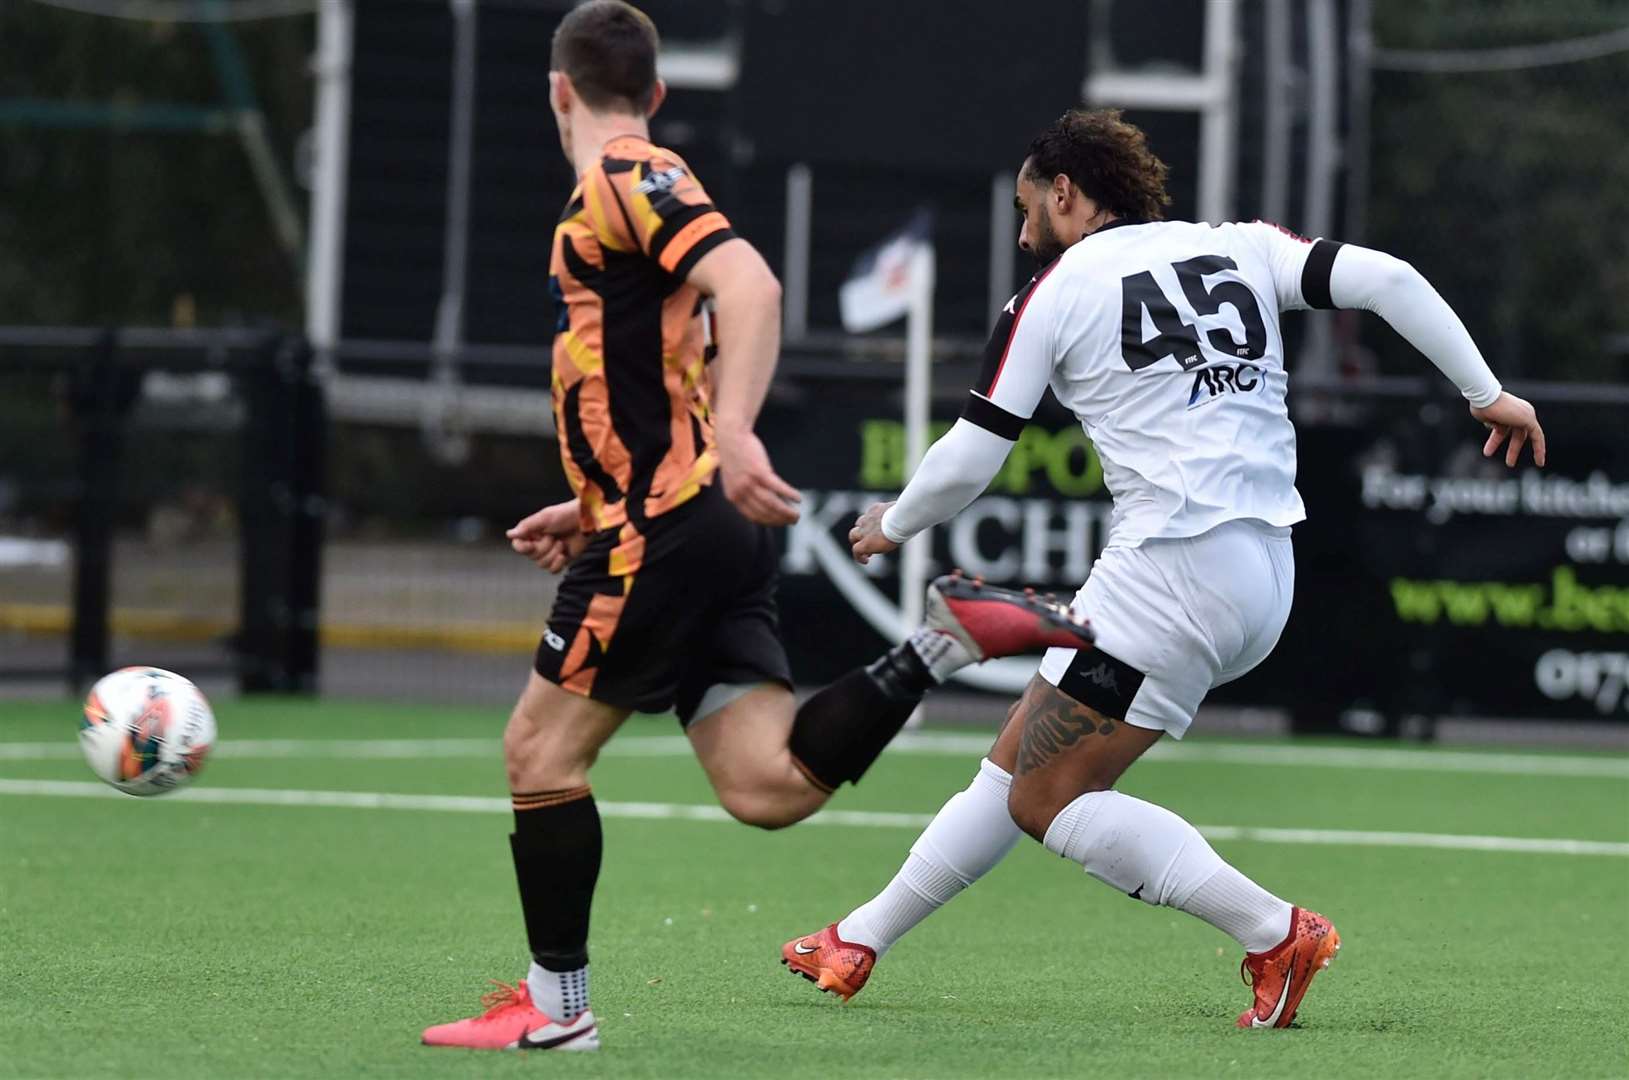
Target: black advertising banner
point(1430, 581)
point(1433, 581)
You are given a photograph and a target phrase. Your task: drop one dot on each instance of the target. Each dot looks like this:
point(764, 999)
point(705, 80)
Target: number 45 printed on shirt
point(1174, 337)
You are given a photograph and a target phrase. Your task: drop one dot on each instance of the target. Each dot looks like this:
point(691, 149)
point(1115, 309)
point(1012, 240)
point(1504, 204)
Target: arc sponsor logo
point(1220, 380)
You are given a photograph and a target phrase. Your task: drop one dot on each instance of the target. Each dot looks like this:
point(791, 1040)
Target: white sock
point(940, 652)
point(1154, 856)
point(560, 995)
point(964, 841)
point(1241, 909)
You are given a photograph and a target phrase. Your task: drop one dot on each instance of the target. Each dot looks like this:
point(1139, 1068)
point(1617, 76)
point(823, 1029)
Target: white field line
point(869, 819)
point(931, 744)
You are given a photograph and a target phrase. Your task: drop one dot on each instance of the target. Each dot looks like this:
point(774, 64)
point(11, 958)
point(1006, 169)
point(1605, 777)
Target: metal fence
point(163, 505)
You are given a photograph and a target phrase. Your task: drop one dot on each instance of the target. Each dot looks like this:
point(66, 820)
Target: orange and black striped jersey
point(630, 387)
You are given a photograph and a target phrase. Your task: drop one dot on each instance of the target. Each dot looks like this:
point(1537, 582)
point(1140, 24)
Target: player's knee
point(1027, 812)
point(760, 809)
point(1034, 805)
point(537, 758)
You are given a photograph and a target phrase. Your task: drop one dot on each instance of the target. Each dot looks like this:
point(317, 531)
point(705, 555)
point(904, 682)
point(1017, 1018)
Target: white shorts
point(1175, 618)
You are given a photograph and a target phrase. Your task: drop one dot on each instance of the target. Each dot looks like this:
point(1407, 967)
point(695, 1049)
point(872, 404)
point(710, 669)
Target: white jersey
point(1163, 338)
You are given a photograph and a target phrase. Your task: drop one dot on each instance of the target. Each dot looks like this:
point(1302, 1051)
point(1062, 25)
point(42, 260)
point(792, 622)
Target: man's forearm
point(1394, 290)
point(749, 341)
point(953, 473)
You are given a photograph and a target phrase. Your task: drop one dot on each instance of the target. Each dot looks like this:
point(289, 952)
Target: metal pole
point(308, 432)
point(274, 189)
point(1003, 242)
point(1359, 82)
point(250, 123)
point(795, 272)
point(449, 327)
point(325, 266)
point(99, 421)
point(917, 555)
point(913, 571)
point(1276, 111)
point(1323, 151)
point(1218, 120)
point(1323, 159)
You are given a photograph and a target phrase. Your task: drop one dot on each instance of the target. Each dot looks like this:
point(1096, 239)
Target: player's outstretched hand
point(750, 481)
point(551, 538)
point(1509, 417)
point(867, 537)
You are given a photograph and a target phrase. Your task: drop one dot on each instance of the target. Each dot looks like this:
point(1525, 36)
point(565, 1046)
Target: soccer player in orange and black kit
point(668, 600)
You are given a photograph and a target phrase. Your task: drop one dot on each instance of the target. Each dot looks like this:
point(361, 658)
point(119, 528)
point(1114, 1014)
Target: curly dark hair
point(1106, 158)
point(608, 48)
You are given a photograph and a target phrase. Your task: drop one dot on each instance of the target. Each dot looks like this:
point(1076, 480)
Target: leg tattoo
point(1053, 722)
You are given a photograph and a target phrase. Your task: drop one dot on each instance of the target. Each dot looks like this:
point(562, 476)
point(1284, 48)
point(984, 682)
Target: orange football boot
point(834, 965)
point(1281, 975)
point(512, 1022)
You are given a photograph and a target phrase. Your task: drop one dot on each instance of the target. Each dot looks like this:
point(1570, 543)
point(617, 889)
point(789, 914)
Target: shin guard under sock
point(842, 729)
point(557, 847)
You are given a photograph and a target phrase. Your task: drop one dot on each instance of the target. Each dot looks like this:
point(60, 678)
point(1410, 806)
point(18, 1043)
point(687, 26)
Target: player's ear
point(657, 96)
point(1063, 192)
point(561, 92)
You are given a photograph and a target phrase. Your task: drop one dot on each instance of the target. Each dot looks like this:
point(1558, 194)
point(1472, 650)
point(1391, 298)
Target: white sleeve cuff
point(888, 529)
point(953, 473)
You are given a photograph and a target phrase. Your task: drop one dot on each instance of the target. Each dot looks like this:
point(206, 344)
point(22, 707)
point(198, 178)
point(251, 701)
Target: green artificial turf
point(180, 939)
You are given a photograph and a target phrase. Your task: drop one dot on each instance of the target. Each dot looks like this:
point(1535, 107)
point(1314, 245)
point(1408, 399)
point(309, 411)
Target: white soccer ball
point(146, 730)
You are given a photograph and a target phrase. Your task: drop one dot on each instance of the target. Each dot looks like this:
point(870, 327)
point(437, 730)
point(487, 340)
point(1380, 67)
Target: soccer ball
point(146, 730)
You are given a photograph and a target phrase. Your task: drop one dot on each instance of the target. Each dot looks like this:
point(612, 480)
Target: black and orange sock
point(557, 846)
point(842, 729)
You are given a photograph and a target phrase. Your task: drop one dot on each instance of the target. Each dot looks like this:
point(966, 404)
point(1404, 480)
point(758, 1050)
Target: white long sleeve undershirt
point(1392, 289)
point(953, 473)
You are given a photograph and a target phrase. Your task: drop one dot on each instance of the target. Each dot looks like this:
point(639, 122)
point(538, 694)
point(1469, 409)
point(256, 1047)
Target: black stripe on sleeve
point(992, 417)
point(671, 225)
point(700, 248)
point(1315, 274)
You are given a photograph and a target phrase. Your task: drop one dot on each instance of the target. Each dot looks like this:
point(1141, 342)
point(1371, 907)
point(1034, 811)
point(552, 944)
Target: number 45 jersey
point(1163, 338)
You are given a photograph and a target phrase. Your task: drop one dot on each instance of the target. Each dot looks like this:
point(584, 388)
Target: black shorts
point(696, 610)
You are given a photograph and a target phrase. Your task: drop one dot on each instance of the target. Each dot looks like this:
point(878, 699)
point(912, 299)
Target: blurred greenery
point(114, 227)
point(1509, 189)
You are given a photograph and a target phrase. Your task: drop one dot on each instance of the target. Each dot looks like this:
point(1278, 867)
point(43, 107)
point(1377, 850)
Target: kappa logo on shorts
point(1102, 676)
point(554, 641)
point(1218, 380)
point(1108, 685)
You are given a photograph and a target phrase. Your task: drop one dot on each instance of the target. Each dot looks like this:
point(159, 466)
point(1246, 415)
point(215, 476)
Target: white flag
point(879, 288)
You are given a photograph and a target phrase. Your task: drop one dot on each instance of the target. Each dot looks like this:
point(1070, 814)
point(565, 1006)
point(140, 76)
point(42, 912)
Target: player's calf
point(841, 730)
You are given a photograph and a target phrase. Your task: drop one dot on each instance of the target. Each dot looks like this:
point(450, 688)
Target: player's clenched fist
point(867, 537)
point(552, 537)
point(1510, 417)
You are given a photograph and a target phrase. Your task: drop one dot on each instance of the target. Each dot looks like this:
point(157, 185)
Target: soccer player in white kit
point(1163, 338)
